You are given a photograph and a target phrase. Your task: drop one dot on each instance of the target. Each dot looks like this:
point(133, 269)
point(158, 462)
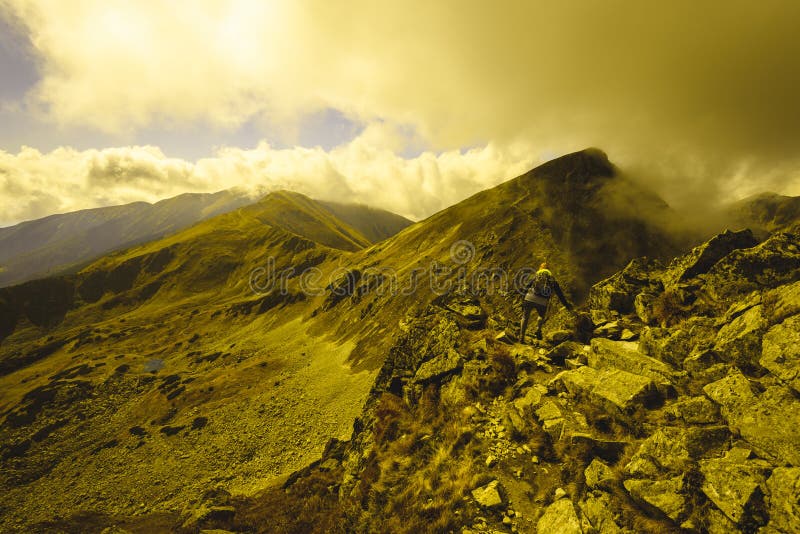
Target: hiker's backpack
point(543, 284)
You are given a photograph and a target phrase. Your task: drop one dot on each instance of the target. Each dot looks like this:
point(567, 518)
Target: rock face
point(702, 258)
point(770, 422)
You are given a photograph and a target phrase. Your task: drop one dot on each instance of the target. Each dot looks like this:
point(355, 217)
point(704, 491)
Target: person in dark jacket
point(537, 296)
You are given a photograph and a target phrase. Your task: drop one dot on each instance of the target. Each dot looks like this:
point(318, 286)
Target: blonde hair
point(543, 265)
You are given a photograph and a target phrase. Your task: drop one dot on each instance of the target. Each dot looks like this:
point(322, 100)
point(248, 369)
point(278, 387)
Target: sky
point(408, 106)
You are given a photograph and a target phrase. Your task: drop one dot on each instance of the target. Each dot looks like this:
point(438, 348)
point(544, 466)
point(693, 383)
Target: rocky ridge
point(688, 424)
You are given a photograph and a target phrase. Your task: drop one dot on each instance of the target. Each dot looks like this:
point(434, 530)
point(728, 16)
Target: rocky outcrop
point(702, 258)
point(769, 421)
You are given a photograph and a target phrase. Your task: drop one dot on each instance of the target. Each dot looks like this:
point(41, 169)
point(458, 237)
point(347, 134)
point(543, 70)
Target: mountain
point(764, 213)
point(677, 411)
point(374, 224)
point(198, 378)
point(42, 247)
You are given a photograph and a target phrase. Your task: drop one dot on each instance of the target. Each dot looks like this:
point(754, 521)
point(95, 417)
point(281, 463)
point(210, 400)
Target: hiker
point(537, 295)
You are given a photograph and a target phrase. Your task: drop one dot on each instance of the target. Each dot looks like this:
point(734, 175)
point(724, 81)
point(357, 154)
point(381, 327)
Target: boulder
point(530, 400)
point(618, 292)
point(739, 341)
point(665, 495)
point(569, 349)
point(783, 499)
point(611, 330)
point(735, 484)
point(674, 346)
point(558, 336)
point(782, 302)
point(490, 495)
point(597, 509)
point(438, 367)
point(694, 411)
point(560, 517)
point(613, 388)
point(599, 475)
point(780, 352)
point(672, 450)
point(643, 306)
point(623, 355)
point(769, 422)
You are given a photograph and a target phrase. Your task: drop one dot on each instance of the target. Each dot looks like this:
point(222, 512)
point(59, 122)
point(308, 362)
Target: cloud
point(699, 98)
point(35, 184)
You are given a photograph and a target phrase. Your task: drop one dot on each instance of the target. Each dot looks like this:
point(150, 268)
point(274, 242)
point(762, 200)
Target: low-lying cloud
point(35, 184)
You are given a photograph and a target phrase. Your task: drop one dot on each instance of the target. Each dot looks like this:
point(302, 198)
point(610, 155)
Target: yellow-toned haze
point(698, 98)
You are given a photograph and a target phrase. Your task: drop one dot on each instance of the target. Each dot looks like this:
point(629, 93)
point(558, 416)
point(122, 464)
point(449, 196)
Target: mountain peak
point(581, 166)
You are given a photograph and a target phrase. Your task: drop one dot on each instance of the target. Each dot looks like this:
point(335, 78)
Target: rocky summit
point(168, 388)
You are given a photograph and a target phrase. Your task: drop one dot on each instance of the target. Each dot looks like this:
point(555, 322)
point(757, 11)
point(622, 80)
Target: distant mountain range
point(222, 357)
point(66, 242)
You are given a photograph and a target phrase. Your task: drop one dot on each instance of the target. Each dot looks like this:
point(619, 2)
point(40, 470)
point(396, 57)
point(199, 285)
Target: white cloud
point(684, 92)
point(36, 184)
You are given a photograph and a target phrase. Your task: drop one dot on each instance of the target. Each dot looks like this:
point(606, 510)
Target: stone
point(674, 346)
point(568, 349)
point(666, 495)
point(558, 336)
point(610, 330)
point(694, 410)
point(547, 411)
point(599, 475)
point(438, 367)
point(625, 356)
point(769, 422)
point(739, 341)
point(700, 360)
point(596, 507)
point(560, 517)
point(734, 484)
point(531, 399)
point(782, 302)
point(505, 337)
point(643, 306)
point(627, 335)
point(559, 493)
point(491, 461)
point(672, 450)
point(783, 499)
point(780, 352)
point(612, 388)
point(490, 495)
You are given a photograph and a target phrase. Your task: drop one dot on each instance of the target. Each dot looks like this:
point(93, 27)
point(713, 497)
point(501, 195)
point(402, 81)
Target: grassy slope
point(185, 301)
